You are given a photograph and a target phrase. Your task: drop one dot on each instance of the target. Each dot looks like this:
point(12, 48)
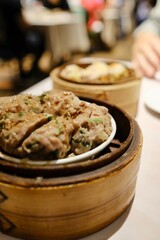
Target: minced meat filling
point(51, 126)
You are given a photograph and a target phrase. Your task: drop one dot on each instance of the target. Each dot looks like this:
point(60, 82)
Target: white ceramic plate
point(153, 104)
point(90, 154)
point(152, 101)
point(87, 155)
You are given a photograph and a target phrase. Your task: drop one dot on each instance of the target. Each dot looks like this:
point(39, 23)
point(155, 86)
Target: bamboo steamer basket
point(70, 201)
point(124, 94)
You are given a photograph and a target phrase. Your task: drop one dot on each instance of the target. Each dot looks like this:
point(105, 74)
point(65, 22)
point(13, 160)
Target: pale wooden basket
point(124, 94)
point(73, 200)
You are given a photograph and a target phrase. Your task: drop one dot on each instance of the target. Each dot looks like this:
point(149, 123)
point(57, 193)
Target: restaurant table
point(141, 220)
point(66, 31)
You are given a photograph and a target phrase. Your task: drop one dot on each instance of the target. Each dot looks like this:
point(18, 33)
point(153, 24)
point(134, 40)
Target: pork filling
point(51, 126)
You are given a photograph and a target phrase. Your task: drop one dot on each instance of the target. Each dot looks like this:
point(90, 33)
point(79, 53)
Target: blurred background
point(38, 35)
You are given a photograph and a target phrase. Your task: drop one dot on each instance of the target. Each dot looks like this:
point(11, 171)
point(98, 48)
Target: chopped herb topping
point(20, 114)
point(33, 145)
point(96, 120)
point(50, 118)
point(42, 97)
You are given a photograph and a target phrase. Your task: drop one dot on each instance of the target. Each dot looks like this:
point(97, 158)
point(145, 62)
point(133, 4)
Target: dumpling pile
point(97, 72)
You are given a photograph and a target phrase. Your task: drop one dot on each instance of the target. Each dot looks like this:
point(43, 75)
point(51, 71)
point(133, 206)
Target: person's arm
point(146, 45)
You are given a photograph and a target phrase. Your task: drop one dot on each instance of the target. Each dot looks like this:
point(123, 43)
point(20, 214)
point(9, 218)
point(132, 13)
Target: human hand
point(146, 54)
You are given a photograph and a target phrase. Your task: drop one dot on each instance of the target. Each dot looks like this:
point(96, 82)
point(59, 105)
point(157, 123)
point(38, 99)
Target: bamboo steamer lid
point(124, 94)
point(73, 200)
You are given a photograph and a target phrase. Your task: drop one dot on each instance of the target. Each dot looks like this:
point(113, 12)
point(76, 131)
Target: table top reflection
point(142, 219)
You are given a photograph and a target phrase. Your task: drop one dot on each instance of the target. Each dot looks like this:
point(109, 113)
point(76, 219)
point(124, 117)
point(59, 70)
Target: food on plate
point(51, 126)
point(98, 72)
